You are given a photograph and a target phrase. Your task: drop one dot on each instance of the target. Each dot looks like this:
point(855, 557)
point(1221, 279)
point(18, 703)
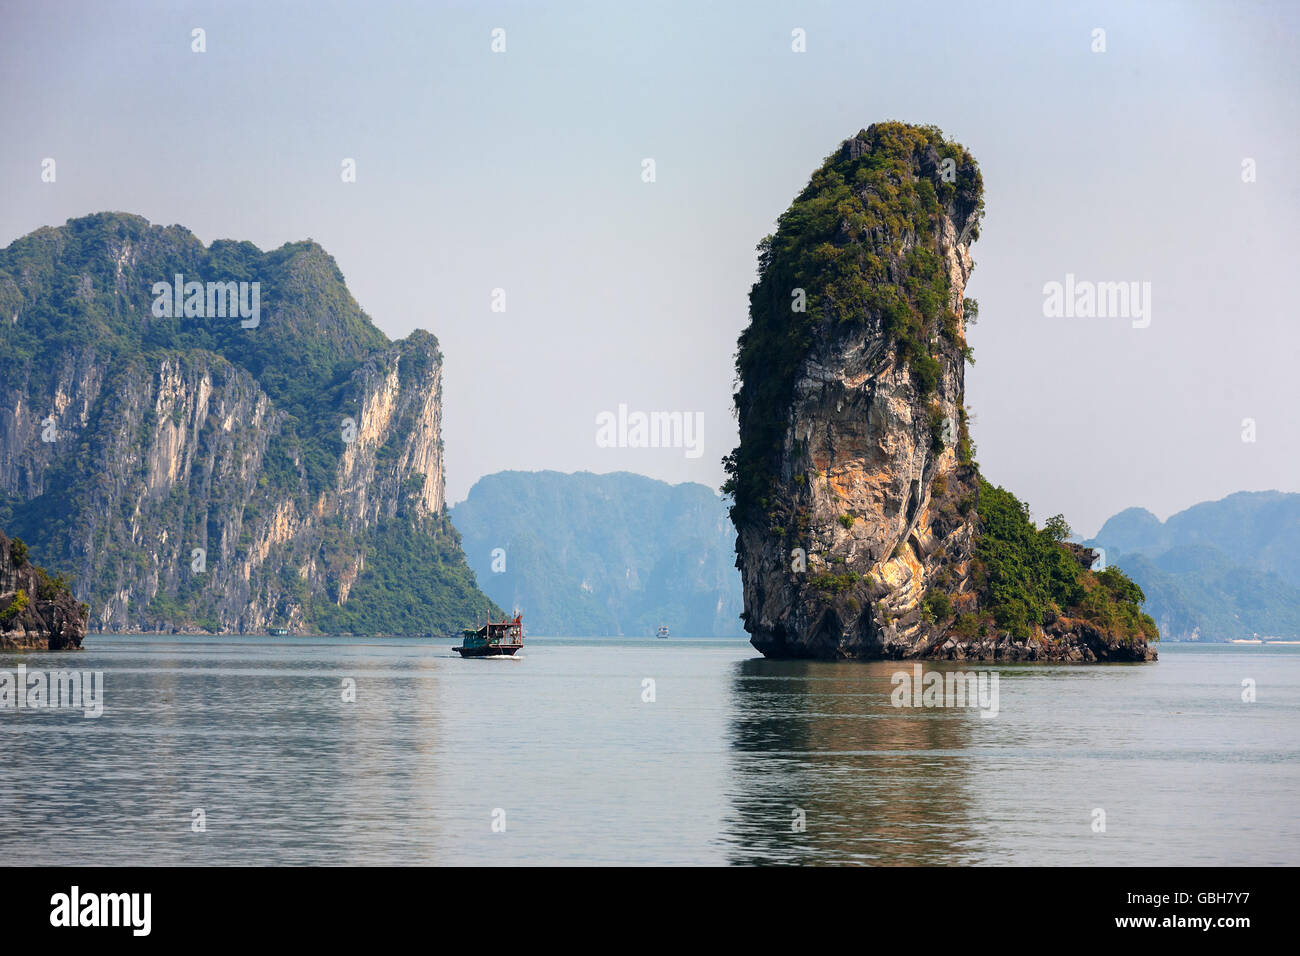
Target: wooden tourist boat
point(494, 639)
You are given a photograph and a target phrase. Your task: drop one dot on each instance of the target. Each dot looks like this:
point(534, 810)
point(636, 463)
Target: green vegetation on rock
point(16, 607)
point(415, 582)
point(1028, 578)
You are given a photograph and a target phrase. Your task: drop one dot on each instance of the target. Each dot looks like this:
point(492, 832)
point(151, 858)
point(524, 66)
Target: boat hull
point(488, 650)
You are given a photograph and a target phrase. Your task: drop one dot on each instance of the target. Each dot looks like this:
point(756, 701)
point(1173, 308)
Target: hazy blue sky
point(522, 171)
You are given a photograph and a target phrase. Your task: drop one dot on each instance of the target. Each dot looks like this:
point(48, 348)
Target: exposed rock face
point(1076, 642)
point(181, 446)
point(854, 485)
point(35, 612)
point(191, 473)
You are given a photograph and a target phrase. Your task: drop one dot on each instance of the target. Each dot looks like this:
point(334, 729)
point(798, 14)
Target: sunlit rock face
point(864, 500)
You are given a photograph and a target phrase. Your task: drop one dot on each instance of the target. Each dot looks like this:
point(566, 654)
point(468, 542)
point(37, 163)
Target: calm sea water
point(256, 733)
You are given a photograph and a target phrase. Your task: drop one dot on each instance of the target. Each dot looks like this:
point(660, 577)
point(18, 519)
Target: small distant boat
point(663, 631)
point(494, 639)
point(277, 631)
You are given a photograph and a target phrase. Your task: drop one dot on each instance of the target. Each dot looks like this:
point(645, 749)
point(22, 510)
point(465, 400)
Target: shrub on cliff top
point(48, 588)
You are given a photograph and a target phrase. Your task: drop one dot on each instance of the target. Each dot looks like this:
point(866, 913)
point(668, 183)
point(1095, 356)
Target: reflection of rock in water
point(878, 784)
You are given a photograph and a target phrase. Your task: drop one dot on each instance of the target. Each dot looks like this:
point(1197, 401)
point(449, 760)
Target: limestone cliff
point(196, 472)
point(856, 493)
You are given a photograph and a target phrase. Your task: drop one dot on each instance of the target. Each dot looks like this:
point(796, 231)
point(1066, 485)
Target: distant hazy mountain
point(1217, 571)
point(618, 554)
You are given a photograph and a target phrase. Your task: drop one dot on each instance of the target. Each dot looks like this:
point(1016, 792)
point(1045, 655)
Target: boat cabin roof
point(499, 628)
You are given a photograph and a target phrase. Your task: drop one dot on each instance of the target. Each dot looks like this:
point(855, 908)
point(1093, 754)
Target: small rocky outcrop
point(858, 502)
point(36, 611)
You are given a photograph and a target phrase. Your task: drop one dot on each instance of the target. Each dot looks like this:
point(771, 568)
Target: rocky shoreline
point(1083, 644)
